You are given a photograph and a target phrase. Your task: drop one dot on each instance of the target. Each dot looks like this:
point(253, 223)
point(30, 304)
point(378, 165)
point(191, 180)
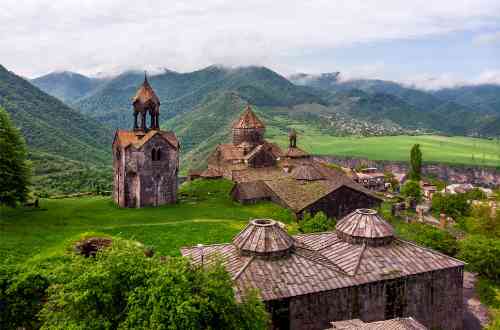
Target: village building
point(360, 271)
point(293, 178)
point(145, 159)
point(371, 178)
point(428, 189)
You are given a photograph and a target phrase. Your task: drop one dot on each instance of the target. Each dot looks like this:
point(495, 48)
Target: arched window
point(156, 154)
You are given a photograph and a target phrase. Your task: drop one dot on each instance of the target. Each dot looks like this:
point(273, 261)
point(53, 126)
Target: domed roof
point(146, 93)
point(263, 237)
point(248, 120)
point(306, 172)
point(365, 226)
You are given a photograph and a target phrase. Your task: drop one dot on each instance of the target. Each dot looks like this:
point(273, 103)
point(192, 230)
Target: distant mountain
point(183, 92)
point(67, 86)
point(484, 98)
point(324, 81)
point(49, 125)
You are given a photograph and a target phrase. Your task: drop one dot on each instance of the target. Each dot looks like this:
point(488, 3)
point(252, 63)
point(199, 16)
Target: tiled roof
point(250, 190)
point(364, 225)
point(231, 152)
point(263, 237)
point(296, 153)
point(307, 172)
point(146, 93)
point(211, 173)
point(407, 323)
point(321, 262)
point(248, 120)
point(128, 138)
point(257, 174)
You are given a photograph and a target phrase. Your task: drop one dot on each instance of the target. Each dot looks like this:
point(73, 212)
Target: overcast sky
point(433, 43)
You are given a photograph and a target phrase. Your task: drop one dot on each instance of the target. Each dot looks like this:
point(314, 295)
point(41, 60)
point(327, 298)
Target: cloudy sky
point(432, 43)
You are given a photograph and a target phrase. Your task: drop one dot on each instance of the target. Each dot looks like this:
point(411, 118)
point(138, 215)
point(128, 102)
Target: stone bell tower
point(145, 159)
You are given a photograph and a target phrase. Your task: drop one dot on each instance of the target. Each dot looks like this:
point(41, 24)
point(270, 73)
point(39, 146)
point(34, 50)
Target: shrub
point(317, 223)
point(412, 189)
point(454, 205)
point(429, 236)
point(21, 295)
point(121, 288)
point(476, 194)
point(482, 255)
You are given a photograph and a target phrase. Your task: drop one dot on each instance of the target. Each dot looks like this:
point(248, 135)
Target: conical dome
point(306, 173)
point(248, 120)
point(146, 94)
point(365, 226)
point(264, 238)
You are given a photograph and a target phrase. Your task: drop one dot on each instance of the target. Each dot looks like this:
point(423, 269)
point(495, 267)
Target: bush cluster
point(120, 288)
point(317, 223)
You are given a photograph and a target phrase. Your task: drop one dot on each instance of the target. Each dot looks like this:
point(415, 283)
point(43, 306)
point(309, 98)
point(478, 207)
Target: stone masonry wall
point(434, 299)
point(479, 175)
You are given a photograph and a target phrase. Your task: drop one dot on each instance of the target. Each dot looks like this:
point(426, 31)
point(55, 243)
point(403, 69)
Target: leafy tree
point(415, 163)
point(120, 288)
point(476, 194)
point(317, 223)
point(412, 189)
point(455, 205)
point(21, 296)
point(481, 254)
point(429, 236)
point(15, 170)
point(483, 221)
point(390, 178)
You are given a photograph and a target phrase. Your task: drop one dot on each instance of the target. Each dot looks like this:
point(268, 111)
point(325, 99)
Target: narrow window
point(158, 154)
point(153, 154)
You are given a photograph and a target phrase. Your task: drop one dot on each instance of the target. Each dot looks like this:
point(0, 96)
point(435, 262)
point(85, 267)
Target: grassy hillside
point(205, 214)
point(454, 150)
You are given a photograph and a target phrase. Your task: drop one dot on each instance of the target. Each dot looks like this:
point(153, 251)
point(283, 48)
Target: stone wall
point(140, 181)
point(478, 175)
point(433, 298)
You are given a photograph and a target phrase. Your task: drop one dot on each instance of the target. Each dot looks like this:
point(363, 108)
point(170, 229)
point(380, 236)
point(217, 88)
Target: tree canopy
point(15, 169)
point(415, 163)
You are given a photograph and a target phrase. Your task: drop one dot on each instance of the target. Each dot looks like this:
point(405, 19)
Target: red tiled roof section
point(249, 120)
point(127, 138)
point(146, 93)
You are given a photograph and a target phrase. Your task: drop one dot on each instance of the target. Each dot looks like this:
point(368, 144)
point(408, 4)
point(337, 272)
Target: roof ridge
point(358, 263)
point(330, 263)
point(247, 263)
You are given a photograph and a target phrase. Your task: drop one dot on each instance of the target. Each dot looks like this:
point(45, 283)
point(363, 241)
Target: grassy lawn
point(455, 150)
point(205, 214)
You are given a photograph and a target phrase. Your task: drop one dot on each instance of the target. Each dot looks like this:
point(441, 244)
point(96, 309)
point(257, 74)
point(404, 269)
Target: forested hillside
point(67, 86)
point(62, 142)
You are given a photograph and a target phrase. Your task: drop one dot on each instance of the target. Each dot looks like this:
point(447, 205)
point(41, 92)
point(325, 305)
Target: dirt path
point(475, 314)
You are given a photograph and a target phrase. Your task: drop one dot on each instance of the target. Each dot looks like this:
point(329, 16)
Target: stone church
point(145, 159)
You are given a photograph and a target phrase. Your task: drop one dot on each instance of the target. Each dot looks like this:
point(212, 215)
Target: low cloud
point(449, 80)
point(488, 38)
point(39, 36)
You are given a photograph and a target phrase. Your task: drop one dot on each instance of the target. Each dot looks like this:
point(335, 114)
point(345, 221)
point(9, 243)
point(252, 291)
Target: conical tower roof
point(307, 173)
point(248, 120)
point(365, 226)
point(265, 238)
point(145, 94)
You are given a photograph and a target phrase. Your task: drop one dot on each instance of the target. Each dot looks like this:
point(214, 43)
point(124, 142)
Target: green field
point(205, 214)
point(453, 150)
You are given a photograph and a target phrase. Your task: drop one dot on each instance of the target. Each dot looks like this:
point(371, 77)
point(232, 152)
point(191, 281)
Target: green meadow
point(442, 149)
point(204, 214)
